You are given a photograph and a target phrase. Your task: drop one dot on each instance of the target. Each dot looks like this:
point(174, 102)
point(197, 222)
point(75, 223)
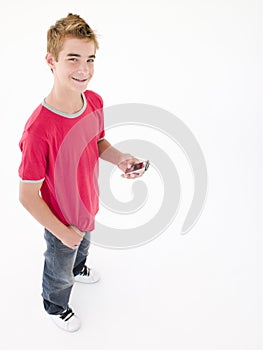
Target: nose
point(84, 69)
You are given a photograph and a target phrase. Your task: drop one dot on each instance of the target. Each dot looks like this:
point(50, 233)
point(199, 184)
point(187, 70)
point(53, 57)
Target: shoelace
point(66, 315)
point(85, 271)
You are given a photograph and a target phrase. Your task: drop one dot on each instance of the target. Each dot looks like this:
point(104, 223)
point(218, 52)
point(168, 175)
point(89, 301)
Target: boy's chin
point(81, 89)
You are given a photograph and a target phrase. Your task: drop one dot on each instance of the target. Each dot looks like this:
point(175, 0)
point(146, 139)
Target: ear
point(50, 60)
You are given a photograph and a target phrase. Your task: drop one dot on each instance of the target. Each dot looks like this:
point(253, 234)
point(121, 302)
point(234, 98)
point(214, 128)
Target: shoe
point(67, 320)
point(88, 276)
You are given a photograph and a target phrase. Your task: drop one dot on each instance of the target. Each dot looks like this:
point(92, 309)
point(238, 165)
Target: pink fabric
point(64, 152)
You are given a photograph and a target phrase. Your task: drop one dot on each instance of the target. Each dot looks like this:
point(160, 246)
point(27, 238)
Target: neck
point(66, 102)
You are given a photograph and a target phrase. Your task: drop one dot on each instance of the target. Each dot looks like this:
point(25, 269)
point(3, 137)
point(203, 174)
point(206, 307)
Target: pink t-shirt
point(61, 151)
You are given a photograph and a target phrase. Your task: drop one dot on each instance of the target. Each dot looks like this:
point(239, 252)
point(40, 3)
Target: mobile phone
point(138, 168)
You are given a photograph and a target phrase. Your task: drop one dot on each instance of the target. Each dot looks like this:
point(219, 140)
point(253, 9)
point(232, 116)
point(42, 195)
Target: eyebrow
point(77, 55)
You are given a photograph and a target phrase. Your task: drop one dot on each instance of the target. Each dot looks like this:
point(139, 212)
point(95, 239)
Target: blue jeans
point(61, 265)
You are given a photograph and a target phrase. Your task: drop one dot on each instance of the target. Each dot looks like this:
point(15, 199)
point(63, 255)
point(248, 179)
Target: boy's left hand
point(127, 164)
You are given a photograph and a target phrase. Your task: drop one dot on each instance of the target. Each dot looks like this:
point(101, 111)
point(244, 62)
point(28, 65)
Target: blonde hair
point(70, 26)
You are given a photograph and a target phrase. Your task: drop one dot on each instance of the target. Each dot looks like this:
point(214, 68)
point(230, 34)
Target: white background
point(201, 61)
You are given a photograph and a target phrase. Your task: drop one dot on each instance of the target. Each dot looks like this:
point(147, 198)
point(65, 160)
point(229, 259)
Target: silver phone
point(138, 167)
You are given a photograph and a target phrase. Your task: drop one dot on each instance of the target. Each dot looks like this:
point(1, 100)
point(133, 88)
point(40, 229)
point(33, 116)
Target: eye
point(90, 60)
point(73, 59)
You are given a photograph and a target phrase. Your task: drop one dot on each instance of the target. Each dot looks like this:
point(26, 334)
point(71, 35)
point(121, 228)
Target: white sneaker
point(66, 320)
point(87, 275)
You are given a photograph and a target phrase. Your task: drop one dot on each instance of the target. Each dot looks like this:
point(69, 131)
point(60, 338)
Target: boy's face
point(75, 65)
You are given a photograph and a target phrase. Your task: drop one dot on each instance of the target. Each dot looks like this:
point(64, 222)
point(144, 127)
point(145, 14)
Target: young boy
point(60, 147)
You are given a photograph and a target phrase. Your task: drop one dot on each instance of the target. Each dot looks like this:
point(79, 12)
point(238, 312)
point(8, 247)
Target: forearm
point(38, 208)
point(111, 154)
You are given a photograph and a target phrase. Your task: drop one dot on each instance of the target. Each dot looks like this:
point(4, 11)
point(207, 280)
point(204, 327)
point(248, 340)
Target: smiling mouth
point(79, 80)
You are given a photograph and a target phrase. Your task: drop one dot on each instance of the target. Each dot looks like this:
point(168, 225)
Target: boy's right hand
point(29, 196)
point(73, 238)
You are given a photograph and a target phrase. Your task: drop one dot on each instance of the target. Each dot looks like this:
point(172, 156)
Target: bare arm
point(30, 198)
point(109, 153)
point(113, 155)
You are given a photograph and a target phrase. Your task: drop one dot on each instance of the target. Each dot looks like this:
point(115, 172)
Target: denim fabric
point(61, 265)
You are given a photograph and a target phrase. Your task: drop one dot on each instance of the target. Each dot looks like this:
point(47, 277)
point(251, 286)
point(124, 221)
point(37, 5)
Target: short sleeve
point(101, 119)
point(34, 158)
point(101, 126)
